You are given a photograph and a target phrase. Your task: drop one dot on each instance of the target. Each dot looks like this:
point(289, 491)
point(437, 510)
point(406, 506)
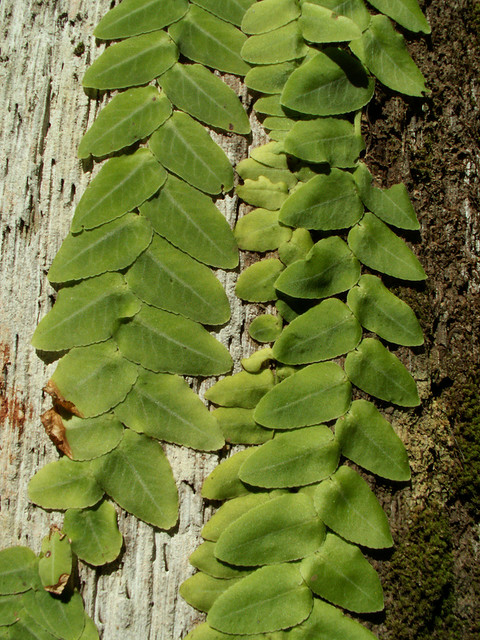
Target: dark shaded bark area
point(432, 577)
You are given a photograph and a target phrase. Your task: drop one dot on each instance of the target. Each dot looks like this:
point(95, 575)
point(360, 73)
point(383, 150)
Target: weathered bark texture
point(431, 145)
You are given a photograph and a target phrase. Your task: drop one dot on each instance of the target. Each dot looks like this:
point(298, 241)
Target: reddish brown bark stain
point(13, 409)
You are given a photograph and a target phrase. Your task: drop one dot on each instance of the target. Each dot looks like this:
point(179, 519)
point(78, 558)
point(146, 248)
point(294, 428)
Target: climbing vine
point(137, 299)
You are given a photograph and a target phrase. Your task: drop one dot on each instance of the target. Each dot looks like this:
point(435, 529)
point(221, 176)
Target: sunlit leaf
point(353, 9)
point(129, 117)
point(164, 407)
point(263, 193)
point(274, 123)
point(229, 10)
point(269, 78)
point(18, 570)
point(89, 438)
point(269, 15)
point(281, 45)
point(231, 511)
point(239, 427)
point(241, 390)
point(121, 185)
point(90, 631)
point(257, 361)
point(184, 147)
point(269, 105)
point(348, 506)
point(94, 533)
point(259, 231)
point(27, 628)
point(252, 170)
point(201, 590)
point(257, 282)
point(377, 371)
point(203, 558)
point(319, 24)
point(223, 483)
point(406, 12)
point(138, 477)
point(132, 17)
point(10, 610)
point(64, 618)
point(133, 62)
point(55, 561)
point(190, 220)
point(297, 248)
point(206, 97)
point(271, 154)
point(369, 440)
point(315, 394)
point(265, 328)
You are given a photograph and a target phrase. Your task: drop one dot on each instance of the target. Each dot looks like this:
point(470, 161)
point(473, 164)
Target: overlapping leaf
point(230, 10)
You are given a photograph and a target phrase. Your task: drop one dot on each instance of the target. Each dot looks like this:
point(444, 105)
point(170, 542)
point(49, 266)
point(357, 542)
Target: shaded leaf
point(239, 427)
point(10, 610)
point(133, 17)
point(259, 231)
point(263, 193)
point(229, 10)
point(90, 631)
point(406, 12)
point(18, 570)
point(319, 24)
point(257, 282)
point(205, 632)
point(203, 558)
point(63, 618)
point(27, 628)
point(55, 561)
point(231, 511)
point(270, 154)
point(281, 45)
point(241, 390)
point(223, 482)
point(265, 328)
point(269, 78)
point(201, 590)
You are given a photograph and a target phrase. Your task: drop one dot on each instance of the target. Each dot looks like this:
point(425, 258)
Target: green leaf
point(269, 105)
point(90, 631)
point(372, 368)
point(194, 89)
point(328, 140)
point(18, 570)
point(89, 438)
point(10, 610)
point(296, 248)
point(281, 45)
point(353, 9)
point(55, 561)
point(111, 247)
point(164, 407)
point(204, 38)
point(265, 328)
point(293, 459)
point(379, 248)
point(164, 342)
point(326, 202)
point(133, 17)
point(129, 117)
point(205, 632)
point(329, 268)
point(263, 193)
point(270, 15)
point(190, 220)
point(138, 477)
point(330, 83)
point(382, 50)
point(185, 148)
point(231, 511)
point(270, 154)
point(86, 313)
point(269, 78)
point(253, 170)
point(369, 440)
point(257, 361)
point(319, 24)
point(269, 599)
point(393, 205)
point(169, 279)
point(239, 427)
point(94, 533)
point(26, 628)
point(259, 231)
point(229, 10)
point(257, 282)
point(315, 394)
point(324, 332)
point(64, 484)
point(121, 185)
point(380, 311)
point(94, 378)
point(201, 590)
point(348, 506)
point(241, 390)
point(339, 573)
point(203, 558)
point(63, 618)
point(406, 12)
point(278, 123)
point(133, 62)
point(284, 529)
point(223, 483)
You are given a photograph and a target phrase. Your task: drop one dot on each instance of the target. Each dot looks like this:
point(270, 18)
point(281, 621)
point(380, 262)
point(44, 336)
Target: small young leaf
point(203, 558)
point(138, 477)
point(380, 248)
point(121, 185)
point(330, 83)
point(164, 407)
point(269, 78)
point(372, 368)
point(229, 10)
point(201, 590)
point(269, 105)
point(406, 12)
point(133, 62)
point(252, 170)
point(257, 282)
point(315, 394)
point(278, 123)
point(241, 390)
point(18, 570)
point(239, 427)
point(327, 201)
point(382, 50)
point(283, 529)
point(231, 511)
point(263, 193)
point(270, 599)
point(219, 106)
point(259, 231)
point(348, 506)
point(339, 573)
point(265, 328)
point(190, 220)
point(353, 9)
point(369, 440)
point(329, 268)
point(184, 147)
point(111, 247)
point(55, 562)
point(281, 45)
point(293, 459)
point(64, 484)
point(270, 15)
point(257, 361)
point(380, 311)
point(204, 38)
point(127, 118)
point(223, 483)
point(270, 154)
point(89, 438)
point(133, 17)
point(63, 618)
point(169, 279)
point(94, 378)
point(94, 533)
point(319, 24)
point(297, 247)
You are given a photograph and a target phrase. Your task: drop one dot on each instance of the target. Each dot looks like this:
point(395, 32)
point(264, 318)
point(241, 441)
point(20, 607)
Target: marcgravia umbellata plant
point(282, 557)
